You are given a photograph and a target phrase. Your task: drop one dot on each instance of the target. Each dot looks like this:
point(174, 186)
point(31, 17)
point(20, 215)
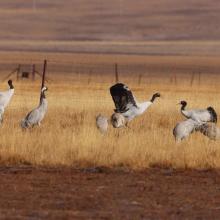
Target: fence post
point(199, 77)
point(90, 77)
point(139, 79)
point(116, 73)
point(192, 78)
point(18, 71)
point(44, 73)
point(33, 72)
point(175, 78)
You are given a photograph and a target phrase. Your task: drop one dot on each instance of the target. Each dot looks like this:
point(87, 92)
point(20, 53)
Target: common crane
point(36, 116)
point(126, 104)
point(117, 120)
point(210, 130)
point(102, 123)
point(199, 115)
point(184, 128)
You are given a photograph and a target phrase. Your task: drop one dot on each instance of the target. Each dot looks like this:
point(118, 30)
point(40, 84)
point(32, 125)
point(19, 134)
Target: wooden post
point(44, 73)
point(43, 76)
point(139, 79)
point(33, 72)
point(192, 79)
point(89, 77)
point(199, 77)
point(116, 73)
point(175, 79)
point(18, 71)
point(171, 78)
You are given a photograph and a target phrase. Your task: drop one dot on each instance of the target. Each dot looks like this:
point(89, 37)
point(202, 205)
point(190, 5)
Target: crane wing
point(32, 117)
point(122, 97)
point(203, 115)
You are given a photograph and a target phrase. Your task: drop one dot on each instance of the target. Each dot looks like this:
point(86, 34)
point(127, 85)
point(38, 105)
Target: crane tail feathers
point(213, 114)
point(24, 123)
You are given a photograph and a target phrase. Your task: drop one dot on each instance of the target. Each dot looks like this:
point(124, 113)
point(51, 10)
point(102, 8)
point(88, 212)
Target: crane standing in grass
point(37, 115)
point(197, 120)
point(200, 115)
point(184, 128)
point(5, 98)
point(102, 123)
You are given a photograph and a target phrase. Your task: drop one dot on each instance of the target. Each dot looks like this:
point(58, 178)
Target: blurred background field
point(163, 27)
point(116, 20)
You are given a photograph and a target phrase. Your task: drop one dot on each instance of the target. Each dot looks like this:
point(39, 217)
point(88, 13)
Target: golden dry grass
point(68, 135)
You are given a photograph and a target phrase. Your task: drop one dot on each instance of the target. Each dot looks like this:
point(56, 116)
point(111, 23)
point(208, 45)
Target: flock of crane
point(127, 108)
point(34, 117)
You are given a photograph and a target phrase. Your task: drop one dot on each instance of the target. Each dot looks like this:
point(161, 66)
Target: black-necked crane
point(126, 104)
point(126, 107)
point(5, 98)
point(199, 115)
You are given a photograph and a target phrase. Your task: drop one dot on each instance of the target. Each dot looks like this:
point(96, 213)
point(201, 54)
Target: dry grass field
point(68, 135)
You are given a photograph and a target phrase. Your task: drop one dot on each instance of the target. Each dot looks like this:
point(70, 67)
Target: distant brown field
point(118, 27)
point(68, 135)
point(116, 20)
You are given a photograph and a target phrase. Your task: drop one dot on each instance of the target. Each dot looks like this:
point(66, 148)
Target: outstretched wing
point(122, 97)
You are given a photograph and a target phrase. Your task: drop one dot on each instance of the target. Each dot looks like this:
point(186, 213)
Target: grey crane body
point(117, 120)
point(1, 114)
point(210, 130)
point(200, 115)
point(184, 128)
point(36, 115)
point(102, 123)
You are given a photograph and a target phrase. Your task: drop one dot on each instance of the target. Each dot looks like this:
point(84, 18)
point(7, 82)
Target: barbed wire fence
point(138, 73)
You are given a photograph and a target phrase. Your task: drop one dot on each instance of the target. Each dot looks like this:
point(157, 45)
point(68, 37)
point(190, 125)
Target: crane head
point(44, 89)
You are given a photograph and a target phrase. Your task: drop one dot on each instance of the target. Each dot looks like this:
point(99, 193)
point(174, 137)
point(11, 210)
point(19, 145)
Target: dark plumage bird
point(126, 104)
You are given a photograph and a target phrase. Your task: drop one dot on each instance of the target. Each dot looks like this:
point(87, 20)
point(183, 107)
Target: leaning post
point(116, 73)
point(44, 73)
point(33, 72)
point(43, 76)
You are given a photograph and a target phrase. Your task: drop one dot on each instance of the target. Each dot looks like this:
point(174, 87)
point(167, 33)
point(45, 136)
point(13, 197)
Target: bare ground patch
point(44, 193)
